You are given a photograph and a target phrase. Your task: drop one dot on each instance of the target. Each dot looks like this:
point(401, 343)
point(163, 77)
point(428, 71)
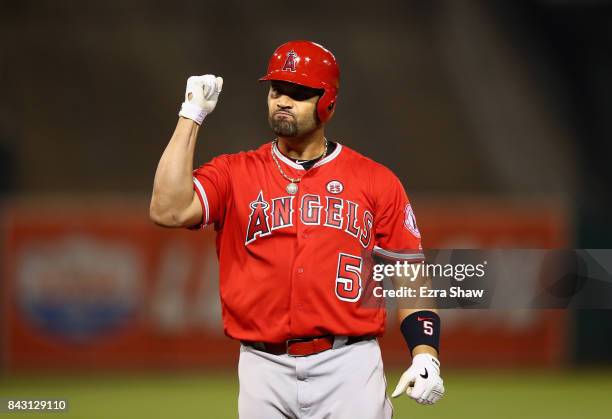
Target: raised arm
point(174, 202)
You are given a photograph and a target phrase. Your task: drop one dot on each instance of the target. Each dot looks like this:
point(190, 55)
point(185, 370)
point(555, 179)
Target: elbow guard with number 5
point(293, 219)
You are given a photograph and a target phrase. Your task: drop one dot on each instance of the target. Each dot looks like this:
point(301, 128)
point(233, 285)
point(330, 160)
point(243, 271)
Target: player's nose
point(284, 102)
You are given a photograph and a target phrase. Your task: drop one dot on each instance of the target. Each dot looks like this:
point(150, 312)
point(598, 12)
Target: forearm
point(416, 305)
point(173, 185)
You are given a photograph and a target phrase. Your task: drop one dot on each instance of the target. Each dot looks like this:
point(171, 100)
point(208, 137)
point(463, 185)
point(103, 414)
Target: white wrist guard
point(193, 112)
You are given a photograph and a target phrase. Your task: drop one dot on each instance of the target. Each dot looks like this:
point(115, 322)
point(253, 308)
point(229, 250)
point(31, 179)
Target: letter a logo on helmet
point(290, 62)
point(311, 65)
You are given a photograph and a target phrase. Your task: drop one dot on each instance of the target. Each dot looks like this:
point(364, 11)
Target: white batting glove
point(422, 381)
point(201, 97)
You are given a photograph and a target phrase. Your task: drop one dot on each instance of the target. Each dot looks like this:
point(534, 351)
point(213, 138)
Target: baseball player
point(293, 220)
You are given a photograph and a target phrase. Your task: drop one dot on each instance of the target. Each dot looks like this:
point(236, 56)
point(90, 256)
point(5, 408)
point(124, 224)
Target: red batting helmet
point(308, 64)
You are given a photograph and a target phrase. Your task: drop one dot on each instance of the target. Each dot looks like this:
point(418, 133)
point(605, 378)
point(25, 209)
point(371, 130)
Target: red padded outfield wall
point(91, 286)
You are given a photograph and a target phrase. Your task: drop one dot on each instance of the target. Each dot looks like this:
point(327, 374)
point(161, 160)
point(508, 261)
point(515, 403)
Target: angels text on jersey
point(310, 210)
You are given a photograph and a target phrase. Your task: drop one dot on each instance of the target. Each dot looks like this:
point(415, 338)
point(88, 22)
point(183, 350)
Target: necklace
point(292, 187)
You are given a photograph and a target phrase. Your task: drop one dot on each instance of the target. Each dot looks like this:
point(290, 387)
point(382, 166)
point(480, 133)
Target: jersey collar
point(296, 166)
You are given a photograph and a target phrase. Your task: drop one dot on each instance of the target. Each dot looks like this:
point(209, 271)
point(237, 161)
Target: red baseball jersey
point(290, 264)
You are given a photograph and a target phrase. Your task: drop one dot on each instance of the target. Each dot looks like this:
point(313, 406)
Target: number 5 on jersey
point(348, 277)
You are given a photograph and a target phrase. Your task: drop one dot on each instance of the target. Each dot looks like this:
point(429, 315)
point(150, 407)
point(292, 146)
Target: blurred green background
point(470, 394)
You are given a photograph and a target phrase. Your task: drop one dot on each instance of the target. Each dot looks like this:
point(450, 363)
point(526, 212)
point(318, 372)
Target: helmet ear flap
point(326, 105)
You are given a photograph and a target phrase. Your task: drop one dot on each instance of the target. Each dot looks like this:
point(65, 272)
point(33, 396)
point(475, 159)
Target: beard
point(289, 127)
point(283, 127)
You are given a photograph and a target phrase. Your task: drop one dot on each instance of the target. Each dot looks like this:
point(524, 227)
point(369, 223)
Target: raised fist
point(201, 97)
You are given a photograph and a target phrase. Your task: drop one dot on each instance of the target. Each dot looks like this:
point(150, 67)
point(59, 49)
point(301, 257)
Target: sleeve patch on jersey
point(410, 221)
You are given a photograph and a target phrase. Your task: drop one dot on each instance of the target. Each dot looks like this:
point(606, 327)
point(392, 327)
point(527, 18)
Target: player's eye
point(295, 92)
point(304, 94)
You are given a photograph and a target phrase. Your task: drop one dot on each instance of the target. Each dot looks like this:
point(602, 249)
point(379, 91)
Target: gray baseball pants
point(346, 382)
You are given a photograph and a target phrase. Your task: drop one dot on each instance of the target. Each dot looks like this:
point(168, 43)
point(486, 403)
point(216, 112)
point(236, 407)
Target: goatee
point(283, 127)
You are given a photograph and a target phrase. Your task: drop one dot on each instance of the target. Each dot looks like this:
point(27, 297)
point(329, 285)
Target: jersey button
point(300, 270)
